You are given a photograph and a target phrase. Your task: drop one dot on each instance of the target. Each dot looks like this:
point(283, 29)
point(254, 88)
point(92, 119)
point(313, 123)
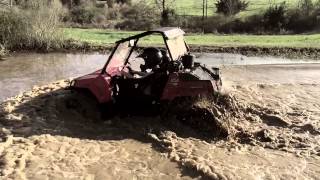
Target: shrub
point(168, 16)
point(3, 51)
point(33, 26)
point(251, 24)
point(85, 13)
point(115, 12)
point(274, 18)
point(124, 1)
point(219, 23)
point(299, 22)
point(304, 17)
point(99, 19)
point(306, 7)
point(110, 3)
point(231, 7)
point(139, 16)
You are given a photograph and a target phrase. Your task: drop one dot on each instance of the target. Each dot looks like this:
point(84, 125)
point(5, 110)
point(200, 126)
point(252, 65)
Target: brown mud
point(270, 131)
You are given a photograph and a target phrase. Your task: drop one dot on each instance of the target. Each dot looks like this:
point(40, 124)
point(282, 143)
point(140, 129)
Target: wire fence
point(195, 7)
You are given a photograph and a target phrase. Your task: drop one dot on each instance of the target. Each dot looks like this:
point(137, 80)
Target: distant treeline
point(146, 14)
point(276, 18)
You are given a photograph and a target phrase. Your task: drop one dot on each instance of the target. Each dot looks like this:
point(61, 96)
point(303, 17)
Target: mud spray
point(227, 137)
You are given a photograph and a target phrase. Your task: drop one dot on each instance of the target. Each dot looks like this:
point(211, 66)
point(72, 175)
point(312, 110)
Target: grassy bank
point(106, 37)
point(293, 46)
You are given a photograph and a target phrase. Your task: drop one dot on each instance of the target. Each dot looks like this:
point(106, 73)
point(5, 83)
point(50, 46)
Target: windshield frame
point(137, 38)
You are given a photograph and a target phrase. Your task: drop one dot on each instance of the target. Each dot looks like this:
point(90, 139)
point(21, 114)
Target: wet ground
point(272, 110)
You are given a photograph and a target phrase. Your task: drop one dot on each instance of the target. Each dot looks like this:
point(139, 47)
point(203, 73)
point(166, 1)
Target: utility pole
point(163, 5)
point(206, 9)
point(203, 11)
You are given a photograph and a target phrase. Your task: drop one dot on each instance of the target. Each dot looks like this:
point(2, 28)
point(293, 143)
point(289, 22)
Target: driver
point(152, 59)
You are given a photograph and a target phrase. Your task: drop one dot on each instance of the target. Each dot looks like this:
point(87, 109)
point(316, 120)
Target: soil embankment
point(287, 52)
point(273, 123)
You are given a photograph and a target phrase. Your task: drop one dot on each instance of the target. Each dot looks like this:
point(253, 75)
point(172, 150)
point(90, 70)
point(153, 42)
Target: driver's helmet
point(152, 57)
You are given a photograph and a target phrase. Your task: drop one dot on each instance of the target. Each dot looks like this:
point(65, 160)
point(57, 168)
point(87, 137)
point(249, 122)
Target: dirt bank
point(287, 52)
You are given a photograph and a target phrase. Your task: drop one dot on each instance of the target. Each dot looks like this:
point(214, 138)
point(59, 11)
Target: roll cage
point(168, 34)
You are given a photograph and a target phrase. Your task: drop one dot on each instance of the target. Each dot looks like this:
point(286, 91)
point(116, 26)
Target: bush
point(110, 3)
point(306, 7)
point(299, 23)
point(123, 1)
point(274, 18)
point(235, 25)
point(304, 17)
point(35, 26)
point(168, 16)
point(219, 24)
point(114, 13)
point(85, 13)
point(139, 16)
point(3, 51)
point(231, 7)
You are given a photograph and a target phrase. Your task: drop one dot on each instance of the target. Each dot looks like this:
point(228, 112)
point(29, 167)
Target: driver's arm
point(140, 73)
point(127, 73)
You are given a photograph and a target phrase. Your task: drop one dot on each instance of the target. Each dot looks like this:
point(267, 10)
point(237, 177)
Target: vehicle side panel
point(176, 87)
point(98, 84)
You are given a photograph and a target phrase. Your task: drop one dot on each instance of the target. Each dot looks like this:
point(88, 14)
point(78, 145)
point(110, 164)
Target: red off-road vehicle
point(135, 75)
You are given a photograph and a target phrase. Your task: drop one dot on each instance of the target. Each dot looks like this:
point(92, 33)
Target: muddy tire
point(84, 104)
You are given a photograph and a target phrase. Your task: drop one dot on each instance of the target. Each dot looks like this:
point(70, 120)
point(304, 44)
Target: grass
point(194, 7)
point(105, 37)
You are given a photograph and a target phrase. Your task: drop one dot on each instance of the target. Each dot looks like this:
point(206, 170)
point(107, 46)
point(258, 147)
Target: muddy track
point(43, 136)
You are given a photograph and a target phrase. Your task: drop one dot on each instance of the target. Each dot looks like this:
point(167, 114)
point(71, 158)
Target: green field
point(105, 37)
point(194, 7)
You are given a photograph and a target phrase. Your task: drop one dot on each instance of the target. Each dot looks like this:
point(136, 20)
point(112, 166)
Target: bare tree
point(165, 10)
point(231, 7)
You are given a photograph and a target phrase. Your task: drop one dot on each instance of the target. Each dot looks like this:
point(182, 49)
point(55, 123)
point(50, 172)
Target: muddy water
point(234, 59)
point(21, 72)
point(276, 117)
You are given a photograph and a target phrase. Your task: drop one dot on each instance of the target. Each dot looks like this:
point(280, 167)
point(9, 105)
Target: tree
point(231, 7)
